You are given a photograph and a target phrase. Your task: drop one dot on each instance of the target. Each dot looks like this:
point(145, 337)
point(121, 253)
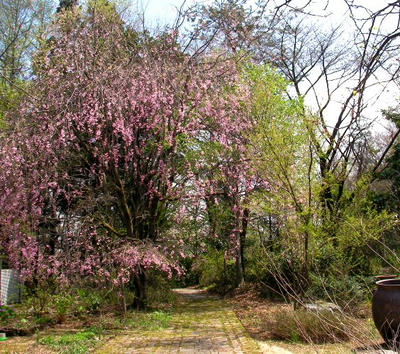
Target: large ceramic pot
point(385, 276)
point(386, 310)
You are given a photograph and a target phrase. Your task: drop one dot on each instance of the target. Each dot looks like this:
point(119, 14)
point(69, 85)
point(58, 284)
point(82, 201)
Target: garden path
point(201, 324)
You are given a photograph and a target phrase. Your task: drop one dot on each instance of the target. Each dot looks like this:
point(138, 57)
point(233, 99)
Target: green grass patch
point(149, 321)
point(71, 343)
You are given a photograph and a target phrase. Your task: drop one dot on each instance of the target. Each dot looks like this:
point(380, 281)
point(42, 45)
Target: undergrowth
point(71, 343)
point(315, 327)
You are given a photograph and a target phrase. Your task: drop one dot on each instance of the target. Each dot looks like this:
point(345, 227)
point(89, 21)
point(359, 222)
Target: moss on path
point(200, 323)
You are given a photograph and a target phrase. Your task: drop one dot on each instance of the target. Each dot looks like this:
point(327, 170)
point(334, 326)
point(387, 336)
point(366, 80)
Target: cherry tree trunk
point(140, 291)
point(240, 254)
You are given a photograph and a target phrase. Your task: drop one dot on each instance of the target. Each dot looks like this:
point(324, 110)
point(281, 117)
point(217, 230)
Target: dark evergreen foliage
point(66, 4)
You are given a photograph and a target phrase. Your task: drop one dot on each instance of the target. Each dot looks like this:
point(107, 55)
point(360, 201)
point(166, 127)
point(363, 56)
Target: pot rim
point(389, 283)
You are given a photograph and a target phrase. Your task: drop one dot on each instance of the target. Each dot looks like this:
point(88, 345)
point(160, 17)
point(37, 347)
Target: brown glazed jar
point(386, 310)
point(385, 276)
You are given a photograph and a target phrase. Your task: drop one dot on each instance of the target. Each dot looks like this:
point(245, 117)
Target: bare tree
point(21, 24)
point(339, 72)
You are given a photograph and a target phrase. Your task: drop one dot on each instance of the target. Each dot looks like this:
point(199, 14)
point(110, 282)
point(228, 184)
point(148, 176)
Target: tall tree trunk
point(240, 266)
point(243, 233)
point(140, 291)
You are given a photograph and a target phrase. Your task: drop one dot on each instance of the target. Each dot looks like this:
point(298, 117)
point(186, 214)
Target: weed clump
point(313, 327)
point(80, 342)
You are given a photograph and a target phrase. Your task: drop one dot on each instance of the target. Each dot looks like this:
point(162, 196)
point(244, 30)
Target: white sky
point(163, 12)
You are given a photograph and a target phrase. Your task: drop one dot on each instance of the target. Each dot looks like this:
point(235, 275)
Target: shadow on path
point(193, 294)
point(202, 323)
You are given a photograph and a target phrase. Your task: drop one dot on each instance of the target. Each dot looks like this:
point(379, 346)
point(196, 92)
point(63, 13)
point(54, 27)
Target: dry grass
point(267, 320)
point(313, 327)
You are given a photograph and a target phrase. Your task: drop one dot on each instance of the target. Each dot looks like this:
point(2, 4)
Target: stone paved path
point(201, 324)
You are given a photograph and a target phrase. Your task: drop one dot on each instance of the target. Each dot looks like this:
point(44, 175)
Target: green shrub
point(89, 300)
point(159, 293)
point(42, 320)
point(6, 312)
point(216, 271)
point(189, 277)
point(62, 304)
point(279, 271)
point(38, 301)
point(346, 291)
